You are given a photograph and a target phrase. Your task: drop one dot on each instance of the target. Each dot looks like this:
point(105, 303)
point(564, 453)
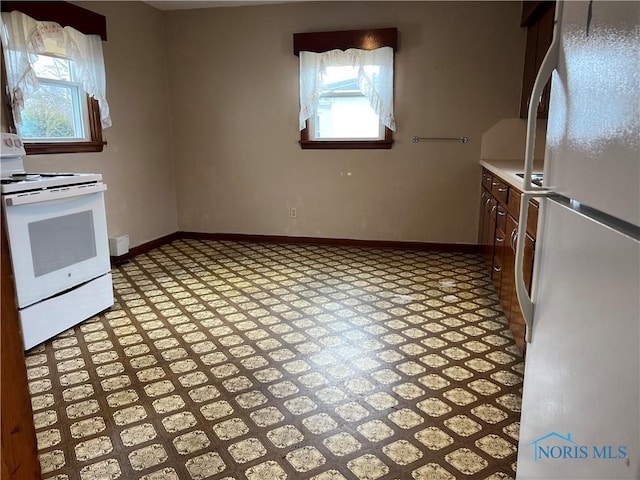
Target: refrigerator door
point(593, 133)
point(581, 397)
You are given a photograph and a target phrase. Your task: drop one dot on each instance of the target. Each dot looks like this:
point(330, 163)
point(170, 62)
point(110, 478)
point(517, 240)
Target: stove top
point(536, 178)
point(24, 181)
point(14, 179)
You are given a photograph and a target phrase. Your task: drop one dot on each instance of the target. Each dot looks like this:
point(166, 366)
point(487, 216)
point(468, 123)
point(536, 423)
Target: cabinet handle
point(497, 269)
point(502, 213)
point(493, 209)
point(487, 202)
point(514, 236)
point(499, 239)
point(495, 184)
point(502, 190)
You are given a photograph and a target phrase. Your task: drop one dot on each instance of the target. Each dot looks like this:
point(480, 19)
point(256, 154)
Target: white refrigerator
point(581, 395)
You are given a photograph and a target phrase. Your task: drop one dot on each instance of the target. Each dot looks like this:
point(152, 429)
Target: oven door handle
point(39, 196)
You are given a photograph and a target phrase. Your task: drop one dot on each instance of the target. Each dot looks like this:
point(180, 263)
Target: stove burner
point(30, 177)
point(20, 181)
point(45, 174)
point(57, 174)
point(25, 176)
point(536, 178)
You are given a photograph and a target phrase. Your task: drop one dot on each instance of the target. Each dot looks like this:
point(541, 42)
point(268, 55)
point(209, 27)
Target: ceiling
point(190, 4)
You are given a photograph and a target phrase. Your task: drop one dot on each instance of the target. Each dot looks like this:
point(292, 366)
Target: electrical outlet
point(294, 212)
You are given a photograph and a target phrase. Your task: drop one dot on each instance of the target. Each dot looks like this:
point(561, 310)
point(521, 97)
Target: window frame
point(307, 144)
point(319, 42)
point(80, 108)
point(85, 21)
point(95, 144)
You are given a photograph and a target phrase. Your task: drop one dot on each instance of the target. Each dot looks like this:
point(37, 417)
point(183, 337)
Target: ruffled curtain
point(375, 83)
point(23, 38)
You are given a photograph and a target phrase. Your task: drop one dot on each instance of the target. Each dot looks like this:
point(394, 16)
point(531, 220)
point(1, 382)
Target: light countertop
point(507, 169)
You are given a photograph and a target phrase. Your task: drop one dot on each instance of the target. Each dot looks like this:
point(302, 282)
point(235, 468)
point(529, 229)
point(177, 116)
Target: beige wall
point(205, 103)
point(136, 164)
point(234, 94)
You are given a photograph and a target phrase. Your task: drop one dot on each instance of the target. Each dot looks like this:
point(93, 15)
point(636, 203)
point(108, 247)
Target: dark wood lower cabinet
point(487, 226)
point(508, 295)
point(497, 233)
point(19, 447)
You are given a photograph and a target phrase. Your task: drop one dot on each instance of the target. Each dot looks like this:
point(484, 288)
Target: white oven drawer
point(56, 244)
point(46, 319)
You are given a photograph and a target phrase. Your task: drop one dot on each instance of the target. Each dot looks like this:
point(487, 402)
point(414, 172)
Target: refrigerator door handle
point(549, 63)
point(526, 304)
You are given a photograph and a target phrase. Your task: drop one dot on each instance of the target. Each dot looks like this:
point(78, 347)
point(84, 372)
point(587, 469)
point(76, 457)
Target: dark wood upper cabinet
point(537, 17)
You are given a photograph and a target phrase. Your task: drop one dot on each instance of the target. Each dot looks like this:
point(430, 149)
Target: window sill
point(306, 144)
point(346, 145)
point(68, 147)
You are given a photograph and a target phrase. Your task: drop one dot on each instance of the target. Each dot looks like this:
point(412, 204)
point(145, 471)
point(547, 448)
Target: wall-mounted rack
point(416, 139)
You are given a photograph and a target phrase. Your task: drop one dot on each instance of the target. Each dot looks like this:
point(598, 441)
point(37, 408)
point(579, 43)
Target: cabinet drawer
point(487, 179)
point(500, 190)
point(513, 202)
point(501, 218)
point(513, 207)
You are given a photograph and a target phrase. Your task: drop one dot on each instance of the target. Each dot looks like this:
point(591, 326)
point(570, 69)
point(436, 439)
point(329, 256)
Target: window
point(343, 112)
point(57, 111)
point(56, 85)
point(346, 88)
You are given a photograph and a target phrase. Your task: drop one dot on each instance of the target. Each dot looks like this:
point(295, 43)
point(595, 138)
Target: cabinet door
point(516, 321)
point(539, 36)
point(532, 219)
point(489, 234)
point(516, 324)
point(482, 228)
point(529, 253)
point(545, 36)
point(501, 269)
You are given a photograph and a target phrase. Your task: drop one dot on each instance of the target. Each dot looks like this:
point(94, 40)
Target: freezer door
point(581, 399)
point(593, 135)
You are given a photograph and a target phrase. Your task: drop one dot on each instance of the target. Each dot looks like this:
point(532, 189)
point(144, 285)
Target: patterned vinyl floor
point(226, 360)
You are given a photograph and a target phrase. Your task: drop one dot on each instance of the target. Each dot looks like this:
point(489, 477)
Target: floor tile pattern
point(238, 360)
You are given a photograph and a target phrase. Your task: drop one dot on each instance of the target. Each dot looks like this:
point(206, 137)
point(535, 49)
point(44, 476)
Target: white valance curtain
point(23, 38)
point(375, 83)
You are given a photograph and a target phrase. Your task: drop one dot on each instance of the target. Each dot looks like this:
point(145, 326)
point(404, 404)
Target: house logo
point(554, 446)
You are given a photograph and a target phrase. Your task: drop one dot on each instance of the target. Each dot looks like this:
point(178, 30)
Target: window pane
point(343, 112)
point(340, 79)
point(52, 112)
point(346, 117)
point(52, 67)
point(344, 79)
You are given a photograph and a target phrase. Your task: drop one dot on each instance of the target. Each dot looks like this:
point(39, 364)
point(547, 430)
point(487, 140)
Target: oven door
point(57, 238)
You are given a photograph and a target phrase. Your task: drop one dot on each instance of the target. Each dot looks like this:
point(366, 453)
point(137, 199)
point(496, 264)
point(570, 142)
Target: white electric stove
point(57, 232)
